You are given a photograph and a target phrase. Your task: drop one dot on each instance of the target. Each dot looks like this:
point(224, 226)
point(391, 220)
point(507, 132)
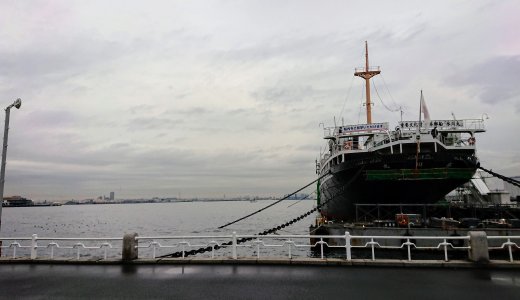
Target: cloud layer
point(206, 98)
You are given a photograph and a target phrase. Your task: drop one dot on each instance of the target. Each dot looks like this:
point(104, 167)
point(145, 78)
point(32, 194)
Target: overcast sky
point(206, 98)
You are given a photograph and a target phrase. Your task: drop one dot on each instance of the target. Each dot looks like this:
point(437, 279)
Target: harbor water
point(154, 219)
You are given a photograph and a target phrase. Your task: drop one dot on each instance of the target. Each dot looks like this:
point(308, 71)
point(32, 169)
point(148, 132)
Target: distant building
point(111, 195)
point(17, 201)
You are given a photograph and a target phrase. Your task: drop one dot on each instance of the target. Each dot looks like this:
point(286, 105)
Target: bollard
point(478, 251)
point(234, 245)
point(130, 247)
point(348, 246)
point(34, 246)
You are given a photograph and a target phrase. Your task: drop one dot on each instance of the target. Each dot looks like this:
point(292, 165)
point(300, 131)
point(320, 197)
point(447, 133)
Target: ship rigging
point(418, 162)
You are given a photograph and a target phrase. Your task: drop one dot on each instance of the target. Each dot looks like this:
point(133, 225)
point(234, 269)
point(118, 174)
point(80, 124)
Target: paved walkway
point(66, 281)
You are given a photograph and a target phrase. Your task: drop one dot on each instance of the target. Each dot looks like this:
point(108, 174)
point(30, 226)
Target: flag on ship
point(425, 112)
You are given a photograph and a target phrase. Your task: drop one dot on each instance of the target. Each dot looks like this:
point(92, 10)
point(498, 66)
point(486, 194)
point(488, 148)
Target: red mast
point(367, 73)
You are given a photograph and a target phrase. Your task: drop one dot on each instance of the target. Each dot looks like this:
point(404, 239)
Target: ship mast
point(367, 73)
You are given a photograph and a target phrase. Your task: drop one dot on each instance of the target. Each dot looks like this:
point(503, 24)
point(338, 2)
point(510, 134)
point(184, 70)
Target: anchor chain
point(504, 178)
point(299, 218)
point(267, 231)
point(243, 240)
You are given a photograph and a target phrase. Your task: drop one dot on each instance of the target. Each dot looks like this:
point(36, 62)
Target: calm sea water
point(153, 219)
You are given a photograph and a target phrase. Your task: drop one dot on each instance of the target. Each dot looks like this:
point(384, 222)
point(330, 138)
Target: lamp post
point(17, 103)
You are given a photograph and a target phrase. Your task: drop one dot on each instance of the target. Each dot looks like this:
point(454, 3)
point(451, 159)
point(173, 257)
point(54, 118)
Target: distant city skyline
point(206, 98)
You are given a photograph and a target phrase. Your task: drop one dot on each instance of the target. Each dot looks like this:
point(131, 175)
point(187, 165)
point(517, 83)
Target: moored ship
point(417, 162)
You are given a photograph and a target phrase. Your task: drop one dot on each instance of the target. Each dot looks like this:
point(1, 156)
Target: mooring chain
point(299, 218)
point(243, 240)
point(267, 231)
point(504, 178)
point(264, 208)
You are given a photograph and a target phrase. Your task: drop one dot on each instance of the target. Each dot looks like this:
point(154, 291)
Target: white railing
point(445, 125)
point(292, 242)
point(507, 243)
point(283, 245)
point(409, 241)
point(56, 243)
point(183, 245)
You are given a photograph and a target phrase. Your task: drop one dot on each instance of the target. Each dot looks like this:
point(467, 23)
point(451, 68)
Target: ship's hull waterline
point(371, 178)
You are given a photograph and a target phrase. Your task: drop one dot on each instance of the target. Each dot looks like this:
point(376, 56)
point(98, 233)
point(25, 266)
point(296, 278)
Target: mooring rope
point(504, 178)
point(264, 208)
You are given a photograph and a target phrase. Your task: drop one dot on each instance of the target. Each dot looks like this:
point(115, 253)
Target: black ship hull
point(384, 178)
point(418, 163)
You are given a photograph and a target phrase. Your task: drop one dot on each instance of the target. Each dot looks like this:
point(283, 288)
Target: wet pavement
point(54, 281)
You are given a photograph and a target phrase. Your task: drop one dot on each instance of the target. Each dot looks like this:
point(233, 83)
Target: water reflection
point(503, 278)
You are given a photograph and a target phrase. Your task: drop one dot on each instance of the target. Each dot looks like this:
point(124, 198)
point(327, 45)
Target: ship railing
point(347, 146)
point(257, 246)
point(470, 125)
point(475, 124)
point(387, 211)
point(370, 69)
point(382, 142)
point(328, 131)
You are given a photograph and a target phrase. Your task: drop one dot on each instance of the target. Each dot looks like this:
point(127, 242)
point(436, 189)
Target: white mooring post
point(34, 246)
point(348, 246)
point(372, 243)
point(321, 247)
point(130, 250)
point(478, 250)
point(234, 245)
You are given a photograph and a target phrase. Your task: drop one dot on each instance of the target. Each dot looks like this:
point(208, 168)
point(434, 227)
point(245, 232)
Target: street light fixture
point(17, 103)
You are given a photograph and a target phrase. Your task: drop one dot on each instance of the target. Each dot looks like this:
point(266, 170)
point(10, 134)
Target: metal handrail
point(259, 242)
point(287, 240)
point(507, 244)
point(105, 245)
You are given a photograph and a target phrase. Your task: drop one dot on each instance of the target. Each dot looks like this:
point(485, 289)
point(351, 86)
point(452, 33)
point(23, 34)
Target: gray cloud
point(153, 123)
point(38, 67)
point(494, 80)
point(227, 96)
point(285, 94)
point(288, 47)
